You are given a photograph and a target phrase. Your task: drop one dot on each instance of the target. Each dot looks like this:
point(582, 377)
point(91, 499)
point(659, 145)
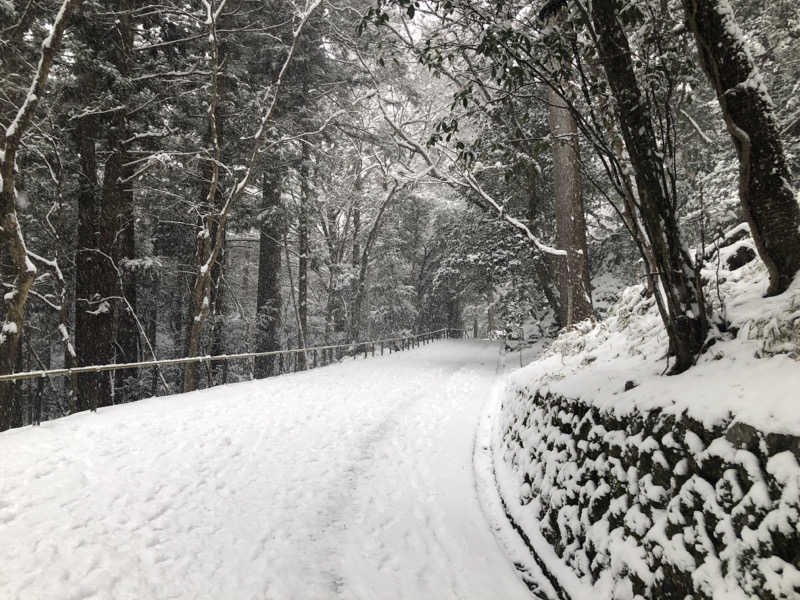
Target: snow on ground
point(750, 375)
point(753, 377)
point(351, 481)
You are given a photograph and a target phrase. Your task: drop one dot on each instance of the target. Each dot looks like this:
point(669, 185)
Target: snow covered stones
point(652, 504)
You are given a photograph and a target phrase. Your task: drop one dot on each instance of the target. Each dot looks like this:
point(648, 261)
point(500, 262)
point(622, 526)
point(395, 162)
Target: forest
point(194, 178)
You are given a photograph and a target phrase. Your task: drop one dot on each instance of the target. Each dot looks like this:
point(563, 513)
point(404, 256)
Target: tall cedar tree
point(105, 208)
point(268, 301)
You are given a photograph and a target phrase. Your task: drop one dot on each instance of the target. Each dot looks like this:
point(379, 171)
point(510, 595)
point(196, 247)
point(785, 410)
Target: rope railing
point(328, 354)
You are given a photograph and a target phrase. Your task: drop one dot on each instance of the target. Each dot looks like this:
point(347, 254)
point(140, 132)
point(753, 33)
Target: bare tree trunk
point(542, 264)
point(124, 245)
point(455, 318)
point(361, 283)
point(683, 307)
point(334, 307)
point(18, 398)
point(303, 250)
point(491, 325)
point(354, 292)
point(128, 346)
point(218, 370)
point(334, 313)
point(573, 275)
point(765, 189)
point(210, 238)
point(95, 278)
point(105, 326)
point(152, 324)
point(356, 232)
point(199, 308)
point(268, 316)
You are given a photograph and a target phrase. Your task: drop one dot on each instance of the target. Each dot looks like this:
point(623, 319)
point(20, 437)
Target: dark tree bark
point(543, 265)
point(455, 318)
point(303, 250)
point(268, 316)
point(95, 277)
point(765, 190)
point(354, 294)
point(18, 400)
point(207, 294)
point(361, 283)
point(152, 323)
point(127, 330)
point(356, 231)
point(683, 307)
point(575, 301)
point(219, 370)
point(105, 326)
point(335, 321)
point(210, 249)
point(490, 319)
point(210, 240)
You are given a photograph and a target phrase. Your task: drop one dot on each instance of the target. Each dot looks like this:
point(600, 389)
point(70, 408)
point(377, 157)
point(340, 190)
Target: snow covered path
point(351, 481)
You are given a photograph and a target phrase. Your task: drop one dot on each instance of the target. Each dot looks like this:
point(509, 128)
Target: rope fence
point(314, 356)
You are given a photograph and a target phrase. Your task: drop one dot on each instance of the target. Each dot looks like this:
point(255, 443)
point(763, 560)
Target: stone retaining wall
point(653, 505)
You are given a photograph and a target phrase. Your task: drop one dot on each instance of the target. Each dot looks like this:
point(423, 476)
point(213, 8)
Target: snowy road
point(352, 481)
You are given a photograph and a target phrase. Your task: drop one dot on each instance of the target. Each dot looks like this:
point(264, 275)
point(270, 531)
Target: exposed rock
point(743, 436)
point(742, 256)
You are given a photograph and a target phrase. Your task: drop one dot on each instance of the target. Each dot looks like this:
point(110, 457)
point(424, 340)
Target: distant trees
point(212, 233)
point(172, 140)
point(631, 83)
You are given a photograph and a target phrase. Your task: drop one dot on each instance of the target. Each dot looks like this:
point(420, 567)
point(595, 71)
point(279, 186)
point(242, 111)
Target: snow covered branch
point(469, 181)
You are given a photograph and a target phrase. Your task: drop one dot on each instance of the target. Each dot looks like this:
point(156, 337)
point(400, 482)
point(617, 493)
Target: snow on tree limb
point(213, 247)
point(12, 237)
point(49, 47)
point(470, 182)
